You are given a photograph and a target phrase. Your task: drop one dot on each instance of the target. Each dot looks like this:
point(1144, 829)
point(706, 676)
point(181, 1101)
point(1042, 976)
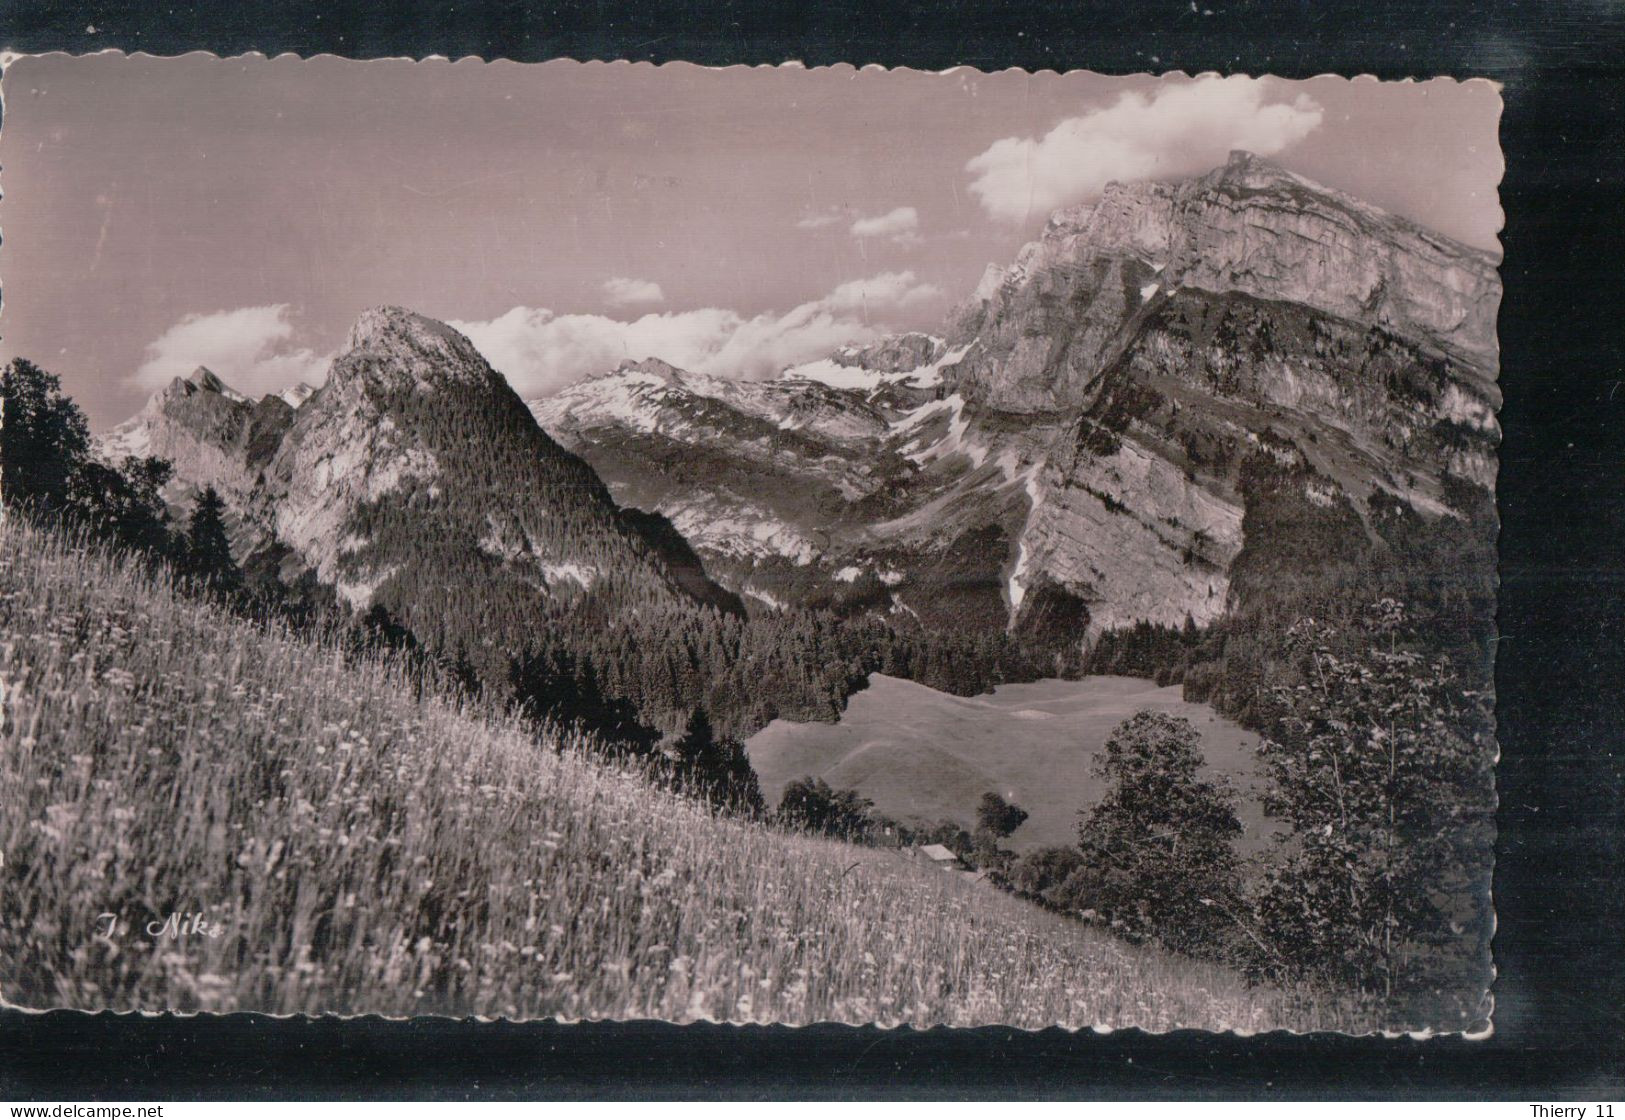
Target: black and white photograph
point(595, 541)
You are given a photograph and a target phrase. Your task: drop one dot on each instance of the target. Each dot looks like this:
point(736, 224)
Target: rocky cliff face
point(1174, 331)
point(207, 430)
point(1048, 323)
point(1082, 449)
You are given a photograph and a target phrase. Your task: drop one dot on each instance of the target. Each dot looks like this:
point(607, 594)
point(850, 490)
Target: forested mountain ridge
point(415, 474)
point(414, 453)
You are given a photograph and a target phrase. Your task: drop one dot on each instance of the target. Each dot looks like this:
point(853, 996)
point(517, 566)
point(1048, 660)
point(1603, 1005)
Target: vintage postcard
point(605, 541)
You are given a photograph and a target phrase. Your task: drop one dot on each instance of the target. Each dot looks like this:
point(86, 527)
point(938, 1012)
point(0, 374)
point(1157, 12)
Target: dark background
point(1560, 999)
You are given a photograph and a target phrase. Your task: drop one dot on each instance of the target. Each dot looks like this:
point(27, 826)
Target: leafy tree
point(997, 816)
point(1157, 852)
point(124, 505)
point(46, 467)
point(207, 558)
point(43, 438)
point(996, 819)
point(1380, 765)
point(812, 806)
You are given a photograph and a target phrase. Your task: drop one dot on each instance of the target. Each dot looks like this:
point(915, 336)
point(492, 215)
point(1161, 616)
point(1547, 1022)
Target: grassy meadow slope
point(357, 848)
point(927, 755)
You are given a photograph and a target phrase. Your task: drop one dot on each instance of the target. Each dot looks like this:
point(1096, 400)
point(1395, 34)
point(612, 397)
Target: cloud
point(902, 223)
point(1178, 130)
point(834, 216)
point(621, 291)
point(888, 291)
point(541, 352)
point(250, 348)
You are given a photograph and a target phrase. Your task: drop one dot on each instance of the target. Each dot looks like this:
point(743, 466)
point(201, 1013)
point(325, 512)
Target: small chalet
point(941, 856)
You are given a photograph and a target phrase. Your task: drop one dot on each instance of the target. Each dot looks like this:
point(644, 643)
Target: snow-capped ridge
point(297, 393)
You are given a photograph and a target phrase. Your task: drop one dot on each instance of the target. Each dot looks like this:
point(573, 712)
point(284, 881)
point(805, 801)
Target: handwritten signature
point(174, 926)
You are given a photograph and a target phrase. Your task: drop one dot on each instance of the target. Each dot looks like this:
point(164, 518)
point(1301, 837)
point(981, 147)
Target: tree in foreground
point(1381, 767)
point(1157, 856)
point(46, 467)
point(207, 557)
point(43, 439)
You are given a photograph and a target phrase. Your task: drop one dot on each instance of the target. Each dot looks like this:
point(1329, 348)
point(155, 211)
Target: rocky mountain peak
point(200, 380)
point(406, 350)
point(1244, 166)
point(654, 367)
point(1248, 228)
point(894, 354)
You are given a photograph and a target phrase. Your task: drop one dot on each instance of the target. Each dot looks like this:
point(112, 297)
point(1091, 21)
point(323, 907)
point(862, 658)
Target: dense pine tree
point(207, 557)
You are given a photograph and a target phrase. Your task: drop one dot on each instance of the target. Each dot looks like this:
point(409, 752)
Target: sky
point(159, 214)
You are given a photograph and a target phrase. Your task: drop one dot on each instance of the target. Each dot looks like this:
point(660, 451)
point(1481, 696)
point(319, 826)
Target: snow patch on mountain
point(297, 393)
point(739, 529)
point(840, 372)
point(956, 441)
point(770, 600)
point(1016, 587)
point(575, 573)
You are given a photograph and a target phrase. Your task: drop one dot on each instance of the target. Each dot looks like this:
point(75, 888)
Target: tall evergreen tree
point(717, 770)
point(208, 549)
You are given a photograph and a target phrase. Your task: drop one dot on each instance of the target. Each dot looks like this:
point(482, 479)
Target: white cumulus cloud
point(250, 348)
point(822, 219)
point(540, 352)
point(622, 291)
point(1176, 130)
point(902, 222)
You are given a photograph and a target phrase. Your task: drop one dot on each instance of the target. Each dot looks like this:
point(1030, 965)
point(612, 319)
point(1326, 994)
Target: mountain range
point(1069, 454)
point(1173, 394)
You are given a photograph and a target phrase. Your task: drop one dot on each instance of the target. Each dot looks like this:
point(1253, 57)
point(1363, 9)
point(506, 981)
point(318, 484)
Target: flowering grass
point(352, 846)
